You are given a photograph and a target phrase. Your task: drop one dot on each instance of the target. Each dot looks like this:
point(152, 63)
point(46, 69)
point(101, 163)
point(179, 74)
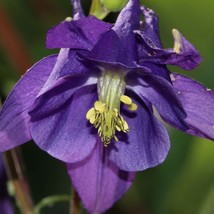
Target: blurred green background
point(184, 184)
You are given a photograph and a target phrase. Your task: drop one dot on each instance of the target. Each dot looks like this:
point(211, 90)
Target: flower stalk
point(75, 203)
point(17, 179)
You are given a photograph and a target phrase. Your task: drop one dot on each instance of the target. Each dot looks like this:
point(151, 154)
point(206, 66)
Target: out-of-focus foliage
point(114, 5)
point(185, 182)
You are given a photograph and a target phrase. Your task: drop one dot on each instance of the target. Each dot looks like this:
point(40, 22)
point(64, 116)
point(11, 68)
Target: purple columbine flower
point(91, 105)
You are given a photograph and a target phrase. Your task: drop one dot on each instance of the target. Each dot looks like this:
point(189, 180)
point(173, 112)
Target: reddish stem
point(12, 43)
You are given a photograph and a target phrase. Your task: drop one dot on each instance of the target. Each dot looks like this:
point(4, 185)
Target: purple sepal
point(78, 34)
point(198, 103)
point(150, 25)
point(66, 134)
point(69, 75)
point(146, 144)
point(58, 95)
point(159, 92)
point(77, 9)
point(184, 56)
point(98, 181)
point(150, 48)
point(118, 46)
point(14, 118)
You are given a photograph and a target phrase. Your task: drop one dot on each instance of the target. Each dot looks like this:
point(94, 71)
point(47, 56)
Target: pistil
point(105, 115)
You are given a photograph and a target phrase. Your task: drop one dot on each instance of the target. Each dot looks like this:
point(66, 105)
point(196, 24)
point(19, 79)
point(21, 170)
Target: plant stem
point(50, 201)
point(17, 179)
point(75, 203)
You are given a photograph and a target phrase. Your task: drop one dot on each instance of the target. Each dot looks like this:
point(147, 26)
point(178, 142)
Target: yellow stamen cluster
point(108, 121)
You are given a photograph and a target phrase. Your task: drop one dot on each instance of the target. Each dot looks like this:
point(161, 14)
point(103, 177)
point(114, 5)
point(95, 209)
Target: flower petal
point(14, 118)
point(160, 93)
point(128, 19)
point(77, 34)
point(59, 67)
point(98, 181)
point(146, 144)
point(58, 94)
point(183, 54)
point(112, 47)
point(198, 102)
point(65, 133)
point(150, 26)
point(160, 70)
point(69, 74)
point(77, 9)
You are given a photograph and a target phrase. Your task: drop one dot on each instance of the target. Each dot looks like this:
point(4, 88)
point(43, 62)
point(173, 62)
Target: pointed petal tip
point(129, 18)
point(187, 56)
point(198, 102)
point(77, 9)
point(105, 183)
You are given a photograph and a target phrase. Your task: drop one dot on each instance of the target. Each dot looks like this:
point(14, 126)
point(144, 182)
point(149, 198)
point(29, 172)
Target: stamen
point(107, 121)
point(126, 100)
point(90, 113)
point(132, 107)
point(99, 106)
point(105, 115)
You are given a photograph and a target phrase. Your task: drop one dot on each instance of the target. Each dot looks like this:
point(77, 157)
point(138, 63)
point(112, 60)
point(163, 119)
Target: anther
point(126, 100)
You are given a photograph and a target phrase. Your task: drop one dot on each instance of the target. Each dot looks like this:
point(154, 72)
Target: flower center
point(105, 115)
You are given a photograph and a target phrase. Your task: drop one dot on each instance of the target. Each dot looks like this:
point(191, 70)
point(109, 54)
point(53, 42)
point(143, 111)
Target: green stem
point(50, 201)
point(17, 180)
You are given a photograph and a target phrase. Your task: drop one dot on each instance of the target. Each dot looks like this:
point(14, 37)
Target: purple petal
point(147, 143)
point(107, 51)
point(160, 70)
point(151, 26)
point(78, 34)
point(198, 102)
point(65, 133)
point(160, 93)
point(186, 57)
point(58, 94)
point(183, 55)
point(77, 9)
point(128, 19)
point(98, 182)
point(67, 64)
point(69, 74)
point(14, 118)
point(59, 67)
point(118, 46)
